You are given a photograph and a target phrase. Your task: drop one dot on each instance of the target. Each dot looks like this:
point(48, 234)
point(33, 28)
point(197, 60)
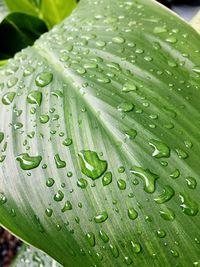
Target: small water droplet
point(181, 154)
point(191, 182)
point(43, 79)
point(58, 196)
point(103, 236)
point(107, 179)
point(161, 233)
point(1, 137)
point(175, 174)
point(67, 142)
point(50, 182)
point(90, 238)
point(125, 107)
point(49, 212)
point(101, 217)
point(131, 134)
point(44, 119)
point(82, 183)
point(129, 87)
point(114, 250)
point(59, 163)
point(67, 206)
point(121, 184)
point(132, 214)
point(136, 247)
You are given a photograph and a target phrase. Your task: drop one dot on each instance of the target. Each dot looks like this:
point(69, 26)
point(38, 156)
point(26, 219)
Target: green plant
point(100, 145)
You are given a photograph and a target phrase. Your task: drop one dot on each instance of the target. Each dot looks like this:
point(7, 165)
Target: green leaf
point(51, 11)
point(195, 22)
point(18, 31)
point(103, 113)
point(31, 257)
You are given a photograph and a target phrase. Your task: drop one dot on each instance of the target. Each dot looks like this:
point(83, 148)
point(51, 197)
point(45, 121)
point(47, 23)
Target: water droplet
point(191, 182)
point(90, 238)
point(12, 82)
point(181, 154)
point(18, 125)
point(44, 119)
point(128, 260)
point(35, 97)
point(159, 29)
point(103, 236)
point(49, 212)
point(171, 40)
point(1, 137)
point(189, 206)
point(167, 214)
point(166, 195)
point(174, 253)
point(67, 142)
point(101, 217)
point(132, 214)
point(114, 250)
point(131, 134)
point(196, 69)
point(50, 182)
point(58, 196)
point(107, 179)
point(129, 87)
point(125, 107)
point(59, 163)
point(82, 183)
point(147, 176)
point(8, 98)
point(161, 233)
point(136, 247)
point(161, 150)
point(121, 184)
point(27, 162)
point(175, 174)
point(3, 199)
point(28, 71)
point(67, 206)
point(91, 165)
point(118, 40)
point(43, 79)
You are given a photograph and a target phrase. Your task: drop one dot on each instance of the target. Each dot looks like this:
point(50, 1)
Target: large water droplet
point(58, 196)
point(161, 150)
point(27, 162)
point(91, 165)
point(35, 97)
point(189, 206)
point(43, 79)
point(147, 176)
point(8, 98)
point(136, 247)
point(166, 195)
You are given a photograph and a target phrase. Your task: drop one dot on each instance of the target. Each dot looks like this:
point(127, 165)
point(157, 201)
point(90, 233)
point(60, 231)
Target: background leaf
point(51, 11)
point(18, 31)
point(99, 125)
point(31, 257)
